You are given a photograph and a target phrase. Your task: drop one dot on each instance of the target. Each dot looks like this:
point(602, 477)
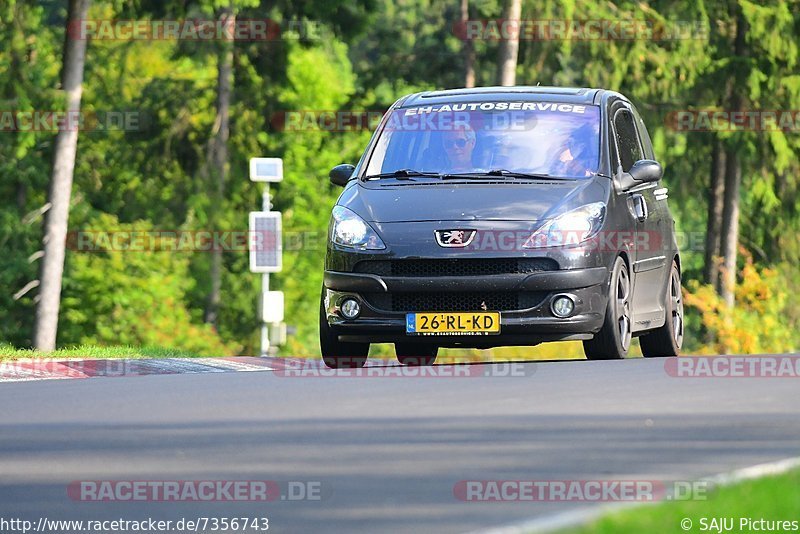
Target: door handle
point(639, 207)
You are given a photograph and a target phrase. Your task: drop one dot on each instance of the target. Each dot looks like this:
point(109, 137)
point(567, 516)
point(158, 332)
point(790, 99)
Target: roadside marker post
point(266, 249)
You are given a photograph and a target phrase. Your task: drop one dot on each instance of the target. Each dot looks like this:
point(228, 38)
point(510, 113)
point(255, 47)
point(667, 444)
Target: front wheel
point(416, 353)
point(614, 338)
point(337, 354)
point(667, 340)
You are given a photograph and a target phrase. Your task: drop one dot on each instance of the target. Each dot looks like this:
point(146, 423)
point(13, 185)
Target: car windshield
point(537, 138)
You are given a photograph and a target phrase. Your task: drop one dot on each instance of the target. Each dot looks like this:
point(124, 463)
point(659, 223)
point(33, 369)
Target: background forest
point(205, 107)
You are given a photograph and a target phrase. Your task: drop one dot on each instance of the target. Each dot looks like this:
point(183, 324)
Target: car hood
point(435, 201)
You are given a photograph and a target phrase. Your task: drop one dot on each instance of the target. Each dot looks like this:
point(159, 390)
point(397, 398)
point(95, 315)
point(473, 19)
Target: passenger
point(576, 159)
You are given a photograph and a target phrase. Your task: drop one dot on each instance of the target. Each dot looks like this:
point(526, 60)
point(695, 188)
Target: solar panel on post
point(266, 249)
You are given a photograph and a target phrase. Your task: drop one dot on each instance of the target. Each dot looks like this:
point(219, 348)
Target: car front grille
point(466, 301)
point(430, 268)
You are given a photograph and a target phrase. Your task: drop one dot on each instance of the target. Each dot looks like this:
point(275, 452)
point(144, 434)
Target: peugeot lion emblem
point(454, 238)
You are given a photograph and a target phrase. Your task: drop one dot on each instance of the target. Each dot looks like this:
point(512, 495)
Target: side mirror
point(646, 170)
point(643, 171)
point(341, 174)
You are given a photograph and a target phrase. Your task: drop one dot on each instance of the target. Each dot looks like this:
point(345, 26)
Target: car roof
point(567, 95)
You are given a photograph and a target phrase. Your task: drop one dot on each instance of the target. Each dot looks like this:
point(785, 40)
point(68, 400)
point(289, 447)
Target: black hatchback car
point(502, 216)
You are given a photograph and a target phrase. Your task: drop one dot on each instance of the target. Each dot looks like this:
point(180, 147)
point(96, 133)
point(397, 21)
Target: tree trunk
point(57, 218)
point(469, 48)
point(509, 46)
point(733, 178)
point(714, 220)
point(730, 226)
point(219, 161)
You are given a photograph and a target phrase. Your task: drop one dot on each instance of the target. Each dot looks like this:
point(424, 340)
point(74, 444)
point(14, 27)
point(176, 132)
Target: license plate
point(462, 323)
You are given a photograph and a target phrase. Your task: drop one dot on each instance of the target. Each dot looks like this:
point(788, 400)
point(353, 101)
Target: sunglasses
point(450, 143)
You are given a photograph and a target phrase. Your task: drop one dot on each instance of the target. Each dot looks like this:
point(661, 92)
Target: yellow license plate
point(462, 323)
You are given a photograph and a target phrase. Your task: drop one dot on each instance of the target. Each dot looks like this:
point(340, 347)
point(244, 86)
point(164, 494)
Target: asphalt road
point(386, 452)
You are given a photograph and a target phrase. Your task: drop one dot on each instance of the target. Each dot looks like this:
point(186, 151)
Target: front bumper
point(531, 321)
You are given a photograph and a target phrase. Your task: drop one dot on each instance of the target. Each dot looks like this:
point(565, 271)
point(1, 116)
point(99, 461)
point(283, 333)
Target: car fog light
point(350, 308)
point(562, 306)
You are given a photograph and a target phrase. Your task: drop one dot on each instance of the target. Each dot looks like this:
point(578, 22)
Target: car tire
point(416, 353)
point(667, 340)
point(614, 338)
point(337, 354)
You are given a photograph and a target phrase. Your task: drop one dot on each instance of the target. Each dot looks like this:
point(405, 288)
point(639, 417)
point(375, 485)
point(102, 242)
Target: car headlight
point(350, 230)
point(570, 228)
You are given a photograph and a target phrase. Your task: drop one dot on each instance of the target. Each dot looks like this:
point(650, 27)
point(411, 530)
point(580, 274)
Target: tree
point(758, 69)
point(57, 217)
point(509, 45)
point(729, 237)
point(715, 199)
point(469, 48)
point(218, 155)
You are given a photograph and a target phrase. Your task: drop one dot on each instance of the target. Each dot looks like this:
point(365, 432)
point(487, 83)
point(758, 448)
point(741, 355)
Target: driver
point(458, 146)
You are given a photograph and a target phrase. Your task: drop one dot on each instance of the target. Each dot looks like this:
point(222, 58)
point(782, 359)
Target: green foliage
point(8, 352)
point(370, 52)
point(27, 74)
point(762, 321)
point(114, 296)
point(770, 498)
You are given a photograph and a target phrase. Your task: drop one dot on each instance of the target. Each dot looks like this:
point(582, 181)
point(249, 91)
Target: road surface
point(386, 452)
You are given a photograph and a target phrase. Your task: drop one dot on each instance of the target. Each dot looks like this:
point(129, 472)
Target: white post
point(264, 326)
point(266, 205)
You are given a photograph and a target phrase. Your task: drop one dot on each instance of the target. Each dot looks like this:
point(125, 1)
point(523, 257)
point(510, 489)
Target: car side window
point(644, 137)
point(627, 140)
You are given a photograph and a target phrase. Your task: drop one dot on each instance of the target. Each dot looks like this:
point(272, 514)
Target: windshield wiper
point(402, 174)
point(408, 174)
point(505, 174)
